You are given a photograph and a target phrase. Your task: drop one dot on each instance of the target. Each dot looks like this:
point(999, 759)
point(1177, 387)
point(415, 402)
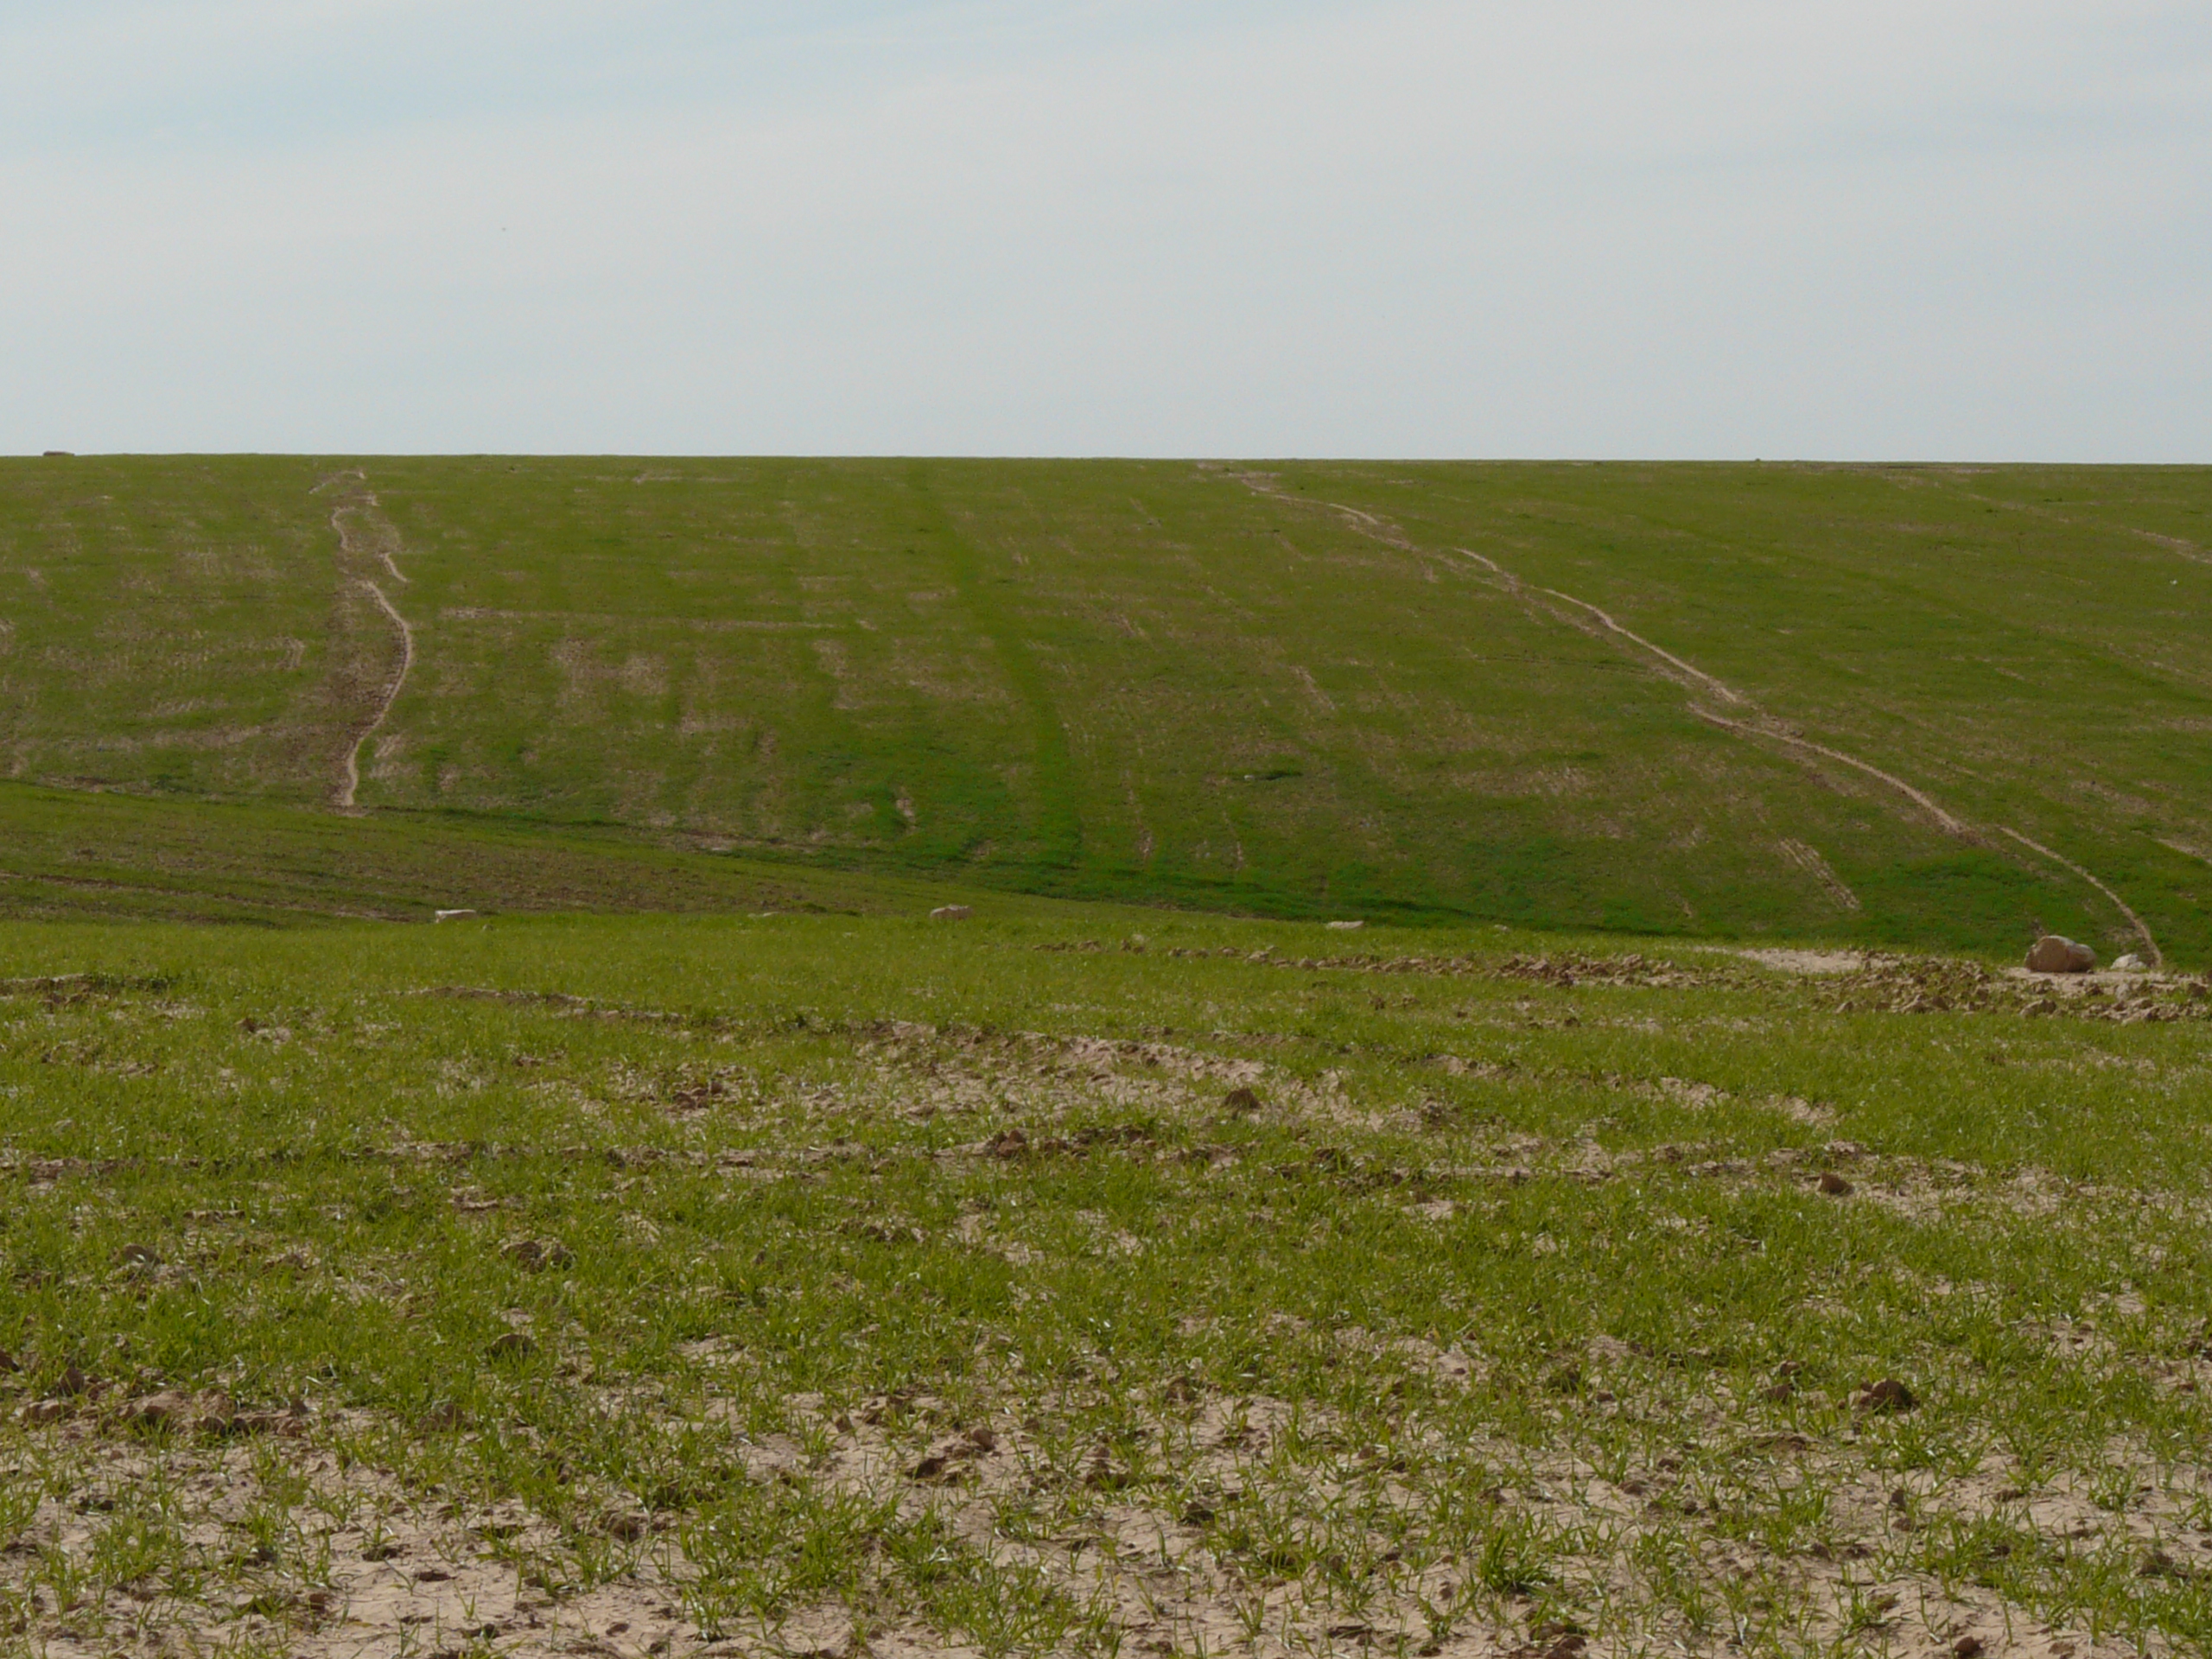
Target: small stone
point(1967, 1647)
point(1888, 1395)
point(1346, 927)
point(950, 913)
point(2054, 955)
point(2130, 963)
point(1835, 1186)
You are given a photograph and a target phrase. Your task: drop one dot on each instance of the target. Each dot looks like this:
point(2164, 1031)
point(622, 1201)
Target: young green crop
point(821, 1280)
point(1927, 707)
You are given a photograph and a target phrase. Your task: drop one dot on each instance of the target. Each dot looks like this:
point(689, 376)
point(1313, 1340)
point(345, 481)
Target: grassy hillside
point(1939, 706)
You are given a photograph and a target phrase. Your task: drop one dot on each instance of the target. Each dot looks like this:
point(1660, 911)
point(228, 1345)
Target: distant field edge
point(129, 855)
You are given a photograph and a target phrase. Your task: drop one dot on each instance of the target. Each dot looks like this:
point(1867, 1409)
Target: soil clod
point(1889, 1396)
point(156, 1410)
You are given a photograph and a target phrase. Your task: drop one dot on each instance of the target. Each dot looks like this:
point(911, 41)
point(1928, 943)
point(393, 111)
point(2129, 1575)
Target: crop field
point(1938, 708)
point(1479, 1101)
point(1093, 1279)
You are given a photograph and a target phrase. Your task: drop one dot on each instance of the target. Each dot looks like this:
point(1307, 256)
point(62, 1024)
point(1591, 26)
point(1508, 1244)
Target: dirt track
point(1761, 725)
point(366, 537)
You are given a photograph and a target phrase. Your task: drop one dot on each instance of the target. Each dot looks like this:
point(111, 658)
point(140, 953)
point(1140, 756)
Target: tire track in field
point(1759, 724)
point(366, 540)
point(1058, 825)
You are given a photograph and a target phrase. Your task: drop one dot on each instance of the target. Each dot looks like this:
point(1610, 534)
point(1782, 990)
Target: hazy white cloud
point(1578, 226)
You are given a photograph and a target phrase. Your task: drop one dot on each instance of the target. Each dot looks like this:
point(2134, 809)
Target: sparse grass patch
point(805, 1284)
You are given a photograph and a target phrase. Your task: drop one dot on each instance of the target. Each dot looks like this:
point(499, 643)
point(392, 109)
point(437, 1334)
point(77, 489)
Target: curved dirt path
point(366, 537)
point(1761, 725)
point(351, 779)
point(1726, 693)
point(1767, 726)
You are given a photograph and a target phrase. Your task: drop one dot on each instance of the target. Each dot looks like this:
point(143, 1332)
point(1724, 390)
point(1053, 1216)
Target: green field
point(1924, 706)
point(837, 1284)
point(1656, 1217)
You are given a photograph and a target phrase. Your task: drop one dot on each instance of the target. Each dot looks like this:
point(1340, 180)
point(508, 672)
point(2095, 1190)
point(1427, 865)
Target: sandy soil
point(406, 1573)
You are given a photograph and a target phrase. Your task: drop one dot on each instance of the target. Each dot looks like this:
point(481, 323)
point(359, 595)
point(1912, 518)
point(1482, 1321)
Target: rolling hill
point(1907, 705)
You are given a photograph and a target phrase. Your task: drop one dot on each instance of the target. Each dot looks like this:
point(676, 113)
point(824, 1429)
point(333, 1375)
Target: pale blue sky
point(1951, 229)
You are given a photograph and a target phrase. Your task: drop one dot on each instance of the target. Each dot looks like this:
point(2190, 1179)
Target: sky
point(1947, 230)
